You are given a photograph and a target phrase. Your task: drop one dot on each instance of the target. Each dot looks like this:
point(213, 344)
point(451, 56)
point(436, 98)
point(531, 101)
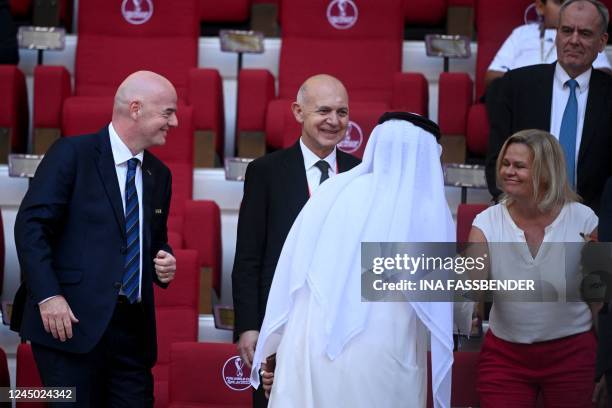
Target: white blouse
point(530, 322)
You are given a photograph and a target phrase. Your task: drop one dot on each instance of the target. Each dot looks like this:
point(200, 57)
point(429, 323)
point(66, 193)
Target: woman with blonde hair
point(545, 346)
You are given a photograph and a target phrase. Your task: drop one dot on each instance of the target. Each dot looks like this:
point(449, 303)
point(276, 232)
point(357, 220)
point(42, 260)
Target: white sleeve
point(602, 61)
point(506, 55)
point(482, 221)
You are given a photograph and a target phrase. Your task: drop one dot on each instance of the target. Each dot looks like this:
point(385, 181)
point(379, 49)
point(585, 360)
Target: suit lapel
point(341, 159)
point(148, 182)
point(296, 185)
point(597, 94)
point(108, 176)
point(545, 87)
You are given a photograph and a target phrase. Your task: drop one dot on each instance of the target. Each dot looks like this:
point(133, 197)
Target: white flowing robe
point(333, 349)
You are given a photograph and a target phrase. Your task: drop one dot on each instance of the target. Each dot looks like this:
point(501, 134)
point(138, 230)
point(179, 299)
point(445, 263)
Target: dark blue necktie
point(131, 273)
point(567, 135)
point(324, 167)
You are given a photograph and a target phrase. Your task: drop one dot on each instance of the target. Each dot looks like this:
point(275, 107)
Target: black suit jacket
point(604, 230)
point(275, 190)
point(70, 239)
point(524, 102)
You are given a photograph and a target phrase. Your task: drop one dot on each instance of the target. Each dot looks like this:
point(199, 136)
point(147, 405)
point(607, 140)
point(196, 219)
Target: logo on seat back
point(353, 138)
point(342, 14)
point(137, 11)
point(235, 375)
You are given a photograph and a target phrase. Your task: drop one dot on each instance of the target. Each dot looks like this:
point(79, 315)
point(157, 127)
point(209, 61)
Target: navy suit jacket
point(604, 232)
point(70, 239)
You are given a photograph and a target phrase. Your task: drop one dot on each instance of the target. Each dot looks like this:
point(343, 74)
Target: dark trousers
point(259, 398)
point(114, 374)
point(609, 384)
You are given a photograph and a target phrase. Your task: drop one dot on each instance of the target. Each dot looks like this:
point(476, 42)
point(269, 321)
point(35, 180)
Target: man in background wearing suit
point(91, 240)
point(568, 98)
point(604, 338)
point(276, 188)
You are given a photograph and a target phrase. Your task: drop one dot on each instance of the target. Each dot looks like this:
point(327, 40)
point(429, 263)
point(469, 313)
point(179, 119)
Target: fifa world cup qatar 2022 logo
point(353, 139)
point(137, 11)
point(235, 375)
point(342, 14)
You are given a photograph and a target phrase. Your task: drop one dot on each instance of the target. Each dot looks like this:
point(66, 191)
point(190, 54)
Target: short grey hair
point(602, 10)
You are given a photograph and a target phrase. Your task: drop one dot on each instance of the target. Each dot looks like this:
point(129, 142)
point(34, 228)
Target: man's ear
point(604, 42)
point(134, 108)
point(298, 113)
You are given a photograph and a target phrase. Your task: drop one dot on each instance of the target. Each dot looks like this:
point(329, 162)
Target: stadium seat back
point(176, 312)
point(199, 374)
point(27, 374)
point(116, 39)
point(361, 44)
point(425, 12)
point(465, 216)
point(495, 21)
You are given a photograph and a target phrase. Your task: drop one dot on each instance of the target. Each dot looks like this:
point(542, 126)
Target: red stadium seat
point(13, 112)
point(27, 374)
point(425, 12)
point(201, 375)
point(176, 310)
point(5, 377)
point(465, 371)
point(362, 47)
point(116, 40)
point(232, 11)
point(465, 216)
point(457, 113)
point(23, 10)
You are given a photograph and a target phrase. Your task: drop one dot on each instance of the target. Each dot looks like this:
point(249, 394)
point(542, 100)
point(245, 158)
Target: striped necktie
point(567, 135)
point(131, 274)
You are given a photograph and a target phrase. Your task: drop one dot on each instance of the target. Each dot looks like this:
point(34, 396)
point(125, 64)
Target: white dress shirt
point(121, 155)
point(561, 93)
point(313, 174)
point(525, 47)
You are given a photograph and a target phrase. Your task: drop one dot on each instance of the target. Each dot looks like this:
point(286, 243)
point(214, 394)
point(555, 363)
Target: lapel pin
point(158, 211)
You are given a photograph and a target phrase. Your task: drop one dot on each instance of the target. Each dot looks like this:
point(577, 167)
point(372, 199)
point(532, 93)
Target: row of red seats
point(422, 12)
point(366, 56)
point(210, 375)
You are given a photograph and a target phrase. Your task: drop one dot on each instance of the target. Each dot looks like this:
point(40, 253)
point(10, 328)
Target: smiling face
point(580, 37)
point(322, 110)
point(157, 115)
point(515, 171)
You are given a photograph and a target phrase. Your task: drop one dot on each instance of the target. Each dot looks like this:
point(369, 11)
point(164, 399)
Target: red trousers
point(512, 374)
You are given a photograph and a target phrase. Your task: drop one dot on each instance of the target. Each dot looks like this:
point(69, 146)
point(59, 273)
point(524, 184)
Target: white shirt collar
point(121, 153)
point(561, 77)
point(310, 158)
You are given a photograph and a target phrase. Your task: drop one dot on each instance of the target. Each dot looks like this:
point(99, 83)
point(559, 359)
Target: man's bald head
point(322, 110)
point(144, 110)
point(140, 86)
point(315, 82)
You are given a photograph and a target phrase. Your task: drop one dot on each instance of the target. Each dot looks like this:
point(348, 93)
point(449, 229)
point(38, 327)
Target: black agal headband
point(417, 120)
